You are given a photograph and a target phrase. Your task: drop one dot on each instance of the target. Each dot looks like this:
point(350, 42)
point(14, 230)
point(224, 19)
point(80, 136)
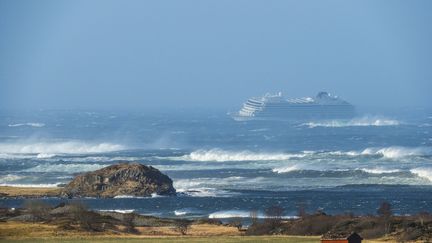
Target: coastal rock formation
point(132, 179)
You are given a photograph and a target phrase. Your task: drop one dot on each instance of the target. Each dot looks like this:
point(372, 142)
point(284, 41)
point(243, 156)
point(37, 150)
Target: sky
point(158, 54)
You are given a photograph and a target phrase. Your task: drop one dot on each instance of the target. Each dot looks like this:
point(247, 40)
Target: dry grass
point(31, 192)
point(38, 232)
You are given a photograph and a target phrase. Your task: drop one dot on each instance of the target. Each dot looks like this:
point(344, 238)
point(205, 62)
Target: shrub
point(375, 232)
point(38, 209)
point(274, 216)
point(182, 226)
point(410, 234)
point(86, 219)
point(235, 222)
point(128, 220)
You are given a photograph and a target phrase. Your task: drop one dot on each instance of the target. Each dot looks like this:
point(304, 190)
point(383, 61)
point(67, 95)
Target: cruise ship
point(323, 106)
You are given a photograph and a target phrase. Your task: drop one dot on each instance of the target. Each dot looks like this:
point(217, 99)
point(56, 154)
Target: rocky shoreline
point(124, 179)
point(139, 180)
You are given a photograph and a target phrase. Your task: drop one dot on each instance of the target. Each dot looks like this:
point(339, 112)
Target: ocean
point(223, 168)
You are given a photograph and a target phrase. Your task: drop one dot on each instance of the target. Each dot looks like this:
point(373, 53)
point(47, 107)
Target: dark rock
point(121, 179)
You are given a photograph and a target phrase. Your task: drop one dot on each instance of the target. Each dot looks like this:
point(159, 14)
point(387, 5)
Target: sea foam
point(379, 170)
point(240, 214)
point(66, 168)
point(358, 122)
point(220, 155)
point(395, 152)
point(423, 172)
point(66, 147)
point(10, 177)
point(124, 211)
point(30, 124)
point(287, 169)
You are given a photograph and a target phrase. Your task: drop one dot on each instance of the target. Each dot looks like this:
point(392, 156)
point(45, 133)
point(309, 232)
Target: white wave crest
point(210, 187)
point(287, 169)
point(423, 172)
point(67, 147)
point(229, 214)
point(10, 177)
point(30, 124)
point(118, 210)
point(45, 156)
point(180, 212)
point(359, 122)
point(239, 214)
point(395, 152)
point(67, 168)
point(128, 196)
point(379, 170)
point(219, 155)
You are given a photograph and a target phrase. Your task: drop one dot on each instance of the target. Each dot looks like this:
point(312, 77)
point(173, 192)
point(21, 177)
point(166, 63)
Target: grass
point(40, 232)
point(186, 239)
point(10, 191)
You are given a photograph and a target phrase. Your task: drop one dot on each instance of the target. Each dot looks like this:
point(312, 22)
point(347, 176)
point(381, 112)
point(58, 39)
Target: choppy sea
point(224, 168)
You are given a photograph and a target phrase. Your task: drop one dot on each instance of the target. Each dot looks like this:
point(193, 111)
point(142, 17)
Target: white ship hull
point(275, 107)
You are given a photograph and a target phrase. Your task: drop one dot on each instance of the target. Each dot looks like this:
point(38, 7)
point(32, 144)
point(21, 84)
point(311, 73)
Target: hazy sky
point(149, 54)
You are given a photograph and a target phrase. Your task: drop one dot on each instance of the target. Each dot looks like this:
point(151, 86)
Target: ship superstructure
point(275, 106)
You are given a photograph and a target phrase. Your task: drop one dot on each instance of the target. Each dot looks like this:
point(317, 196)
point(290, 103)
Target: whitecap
point(66, 168)
point(10, 177)
point(379, 170)
point(395, 152)
point(241, 214)
point(45, 156)
point(423, 172)
point(64, 147)
point(229, 214)
point(365, 121)
point(180, 212)
point(30, 124)
point(118, 210)
point(220, 155)
point(127, 196)
point(287, 169)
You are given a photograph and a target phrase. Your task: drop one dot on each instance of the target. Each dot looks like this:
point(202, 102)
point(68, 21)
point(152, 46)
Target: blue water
point(221, 167)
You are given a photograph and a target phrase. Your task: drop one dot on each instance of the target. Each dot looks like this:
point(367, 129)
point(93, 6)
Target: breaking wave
point(379, 170)
point(359, 122)
point(67, 168)
point(205, 187)
point(395, 152)
point(124, 211)
point(30, 124)
point(50, 148)
point(10, 177)
point(423, 173)
point(287, 169)
point(219, 155)
point(239, 214)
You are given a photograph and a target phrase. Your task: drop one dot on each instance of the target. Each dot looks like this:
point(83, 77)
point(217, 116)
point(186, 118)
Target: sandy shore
point(29, 192)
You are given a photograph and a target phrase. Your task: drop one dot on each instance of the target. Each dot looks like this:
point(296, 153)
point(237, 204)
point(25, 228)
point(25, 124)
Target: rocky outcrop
point(132, 179)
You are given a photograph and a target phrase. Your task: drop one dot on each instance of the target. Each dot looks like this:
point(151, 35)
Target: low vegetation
point(73, 219)
point(384, 224)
